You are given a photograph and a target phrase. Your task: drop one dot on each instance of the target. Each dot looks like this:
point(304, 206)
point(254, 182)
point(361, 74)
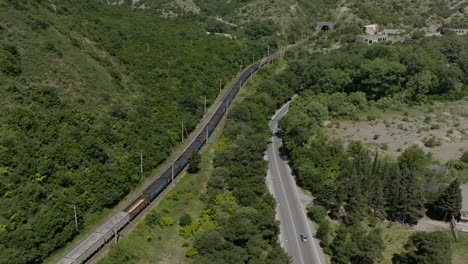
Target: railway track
point(93, 243)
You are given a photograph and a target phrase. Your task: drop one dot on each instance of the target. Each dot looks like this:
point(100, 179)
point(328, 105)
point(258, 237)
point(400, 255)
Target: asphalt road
point(289, 209)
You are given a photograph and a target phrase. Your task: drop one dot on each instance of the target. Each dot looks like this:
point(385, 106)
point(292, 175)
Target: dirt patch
point(188, 6)
point(440, 129)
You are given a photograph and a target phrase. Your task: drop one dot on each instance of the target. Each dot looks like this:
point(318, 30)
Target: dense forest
point(356, 185)
point(84, 89)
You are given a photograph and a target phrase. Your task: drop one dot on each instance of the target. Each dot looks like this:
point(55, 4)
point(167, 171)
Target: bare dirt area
point(439, 128)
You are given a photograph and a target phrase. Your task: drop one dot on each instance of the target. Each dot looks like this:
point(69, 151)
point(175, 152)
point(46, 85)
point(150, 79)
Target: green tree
point(426, 248)
point(449, 202)
point(194, 162)
point(413, 159)
point(380, 77)
point(420, 84)
point(333, 80)
point(316, 212)
point(208, 242)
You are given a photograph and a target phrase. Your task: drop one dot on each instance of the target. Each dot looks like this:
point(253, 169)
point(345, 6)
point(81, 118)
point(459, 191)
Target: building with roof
point(371, 39)
point(371, 29)
point(459, 31)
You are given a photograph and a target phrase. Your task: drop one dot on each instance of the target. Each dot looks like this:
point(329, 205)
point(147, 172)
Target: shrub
point(185, 220)
point(384, 146)
point(418, 34)
point(316, 212)
point(186, 231)
point(431, 142)
point(152, 218)
point(166, 221)
point(373, 221)
point(376, 136)
point(435, 126)
point(191, 252)
point(464, 157)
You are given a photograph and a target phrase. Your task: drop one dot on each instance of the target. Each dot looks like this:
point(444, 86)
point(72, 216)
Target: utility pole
point(76, 217)
point(141, 164)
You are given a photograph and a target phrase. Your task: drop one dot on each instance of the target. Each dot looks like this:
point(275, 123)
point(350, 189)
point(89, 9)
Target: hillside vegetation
point(84, 89)
point(295, 16)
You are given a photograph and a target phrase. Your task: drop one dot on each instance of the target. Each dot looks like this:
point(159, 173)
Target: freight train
point(105, 233)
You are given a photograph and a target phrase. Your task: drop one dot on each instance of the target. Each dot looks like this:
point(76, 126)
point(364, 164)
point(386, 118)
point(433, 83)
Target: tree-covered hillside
point(356, 186)
point(303, 14)
point(84, 89)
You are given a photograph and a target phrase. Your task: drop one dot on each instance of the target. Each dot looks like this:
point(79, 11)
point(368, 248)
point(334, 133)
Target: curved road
point(289, 209)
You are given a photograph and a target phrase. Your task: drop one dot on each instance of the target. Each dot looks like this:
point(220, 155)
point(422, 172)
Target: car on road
point(303, 238)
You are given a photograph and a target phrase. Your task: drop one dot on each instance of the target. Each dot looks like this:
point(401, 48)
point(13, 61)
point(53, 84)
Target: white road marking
point(305, 217)
point(287, 205)
point(275, 127)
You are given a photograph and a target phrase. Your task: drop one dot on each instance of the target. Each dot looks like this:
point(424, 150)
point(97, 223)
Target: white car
point(303, 238)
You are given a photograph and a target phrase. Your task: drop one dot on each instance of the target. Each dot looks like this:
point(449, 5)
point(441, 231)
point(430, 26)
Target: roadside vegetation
point(357, 188)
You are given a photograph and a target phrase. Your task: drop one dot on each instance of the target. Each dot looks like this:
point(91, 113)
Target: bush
point(418, 34)
point(166, 221)
point(152, 218)
point(316, 212)
point(185, 220)
point(323, 233)
point(191, 252)
point(464, 157)
point(431, 142)
point(373, 221)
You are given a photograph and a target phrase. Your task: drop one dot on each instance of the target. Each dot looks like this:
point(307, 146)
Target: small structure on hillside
point(459, 31)
point(371, 29)
point(371, 39)
point(324, 26)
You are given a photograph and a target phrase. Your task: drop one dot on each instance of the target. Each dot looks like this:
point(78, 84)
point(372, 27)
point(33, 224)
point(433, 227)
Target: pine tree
point(448, 203)
point(426, 248)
